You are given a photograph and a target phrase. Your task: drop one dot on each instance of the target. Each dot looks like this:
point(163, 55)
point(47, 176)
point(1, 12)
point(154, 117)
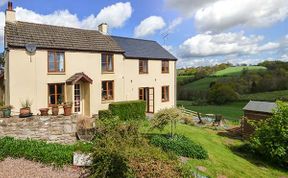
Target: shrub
point(221, 94)
point(129, 110)
point(180, 145)
point(105, 114)
point(84, 122)
point(54, 154)
point(273, 145)
point(188, 120)
point(166, 116)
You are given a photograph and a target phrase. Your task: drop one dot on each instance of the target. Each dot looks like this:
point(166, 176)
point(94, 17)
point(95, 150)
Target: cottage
point(89, 68)
point(256, 110)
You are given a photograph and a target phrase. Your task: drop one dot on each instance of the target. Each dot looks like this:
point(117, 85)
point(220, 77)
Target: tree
point(274, 145)
point(221, 94)
point(165, 117)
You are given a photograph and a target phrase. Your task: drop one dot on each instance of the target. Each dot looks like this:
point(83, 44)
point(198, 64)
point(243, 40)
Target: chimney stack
point(10, 13)
point(103, 28)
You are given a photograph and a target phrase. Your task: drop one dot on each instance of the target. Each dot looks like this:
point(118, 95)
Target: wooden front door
point(147, 94)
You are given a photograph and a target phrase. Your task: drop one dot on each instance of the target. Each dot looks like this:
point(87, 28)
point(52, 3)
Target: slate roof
point(145, 49)
point(55, 37)
point(77, 77)
point(260, 106)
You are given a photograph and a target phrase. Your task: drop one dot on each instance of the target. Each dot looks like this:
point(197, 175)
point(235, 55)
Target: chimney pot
point(10, 6)
point(103, 28)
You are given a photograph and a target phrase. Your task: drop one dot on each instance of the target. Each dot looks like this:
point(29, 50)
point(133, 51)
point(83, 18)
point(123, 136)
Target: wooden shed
point(256, 110)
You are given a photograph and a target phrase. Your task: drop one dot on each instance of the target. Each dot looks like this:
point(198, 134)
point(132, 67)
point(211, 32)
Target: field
point(184, 77)
point(266, 96)
point(231, 111)
point(202, 84)
point(237, 70)
point(224, 162)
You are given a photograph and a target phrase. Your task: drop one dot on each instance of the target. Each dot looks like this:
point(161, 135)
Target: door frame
point(81, 99)
point(147, 89)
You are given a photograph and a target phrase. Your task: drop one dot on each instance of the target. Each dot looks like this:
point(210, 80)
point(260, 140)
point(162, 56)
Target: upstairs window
point(107, 90)
point(56, 61)
point(55, 94)
point(143, 66)
point(165, 66)
point(165, 93)
point(107, 63)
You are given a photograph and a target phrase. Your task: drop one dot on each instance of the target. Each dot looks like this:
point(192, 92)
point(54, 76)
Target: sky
point(197, 32)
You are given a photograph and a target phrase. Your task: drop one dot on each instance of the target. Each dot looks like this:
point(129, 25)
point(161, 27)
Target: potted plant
point(55, 110)
point(67, 108)
point(44, 111)
point(6, 110)
point(25, 111)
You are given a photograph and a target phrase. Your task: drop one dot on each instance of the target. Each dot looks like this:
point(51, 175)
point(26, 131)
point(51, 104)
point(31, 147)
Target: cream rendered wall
point(27, 78)
point(154, 78)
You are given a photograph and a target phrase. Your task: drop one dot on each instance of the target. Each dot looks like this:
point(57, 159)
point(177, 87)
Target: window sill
point(165, 72)
point(56, 73)
point(165, 101)
point(107, 101)
point(143, 73)
point(107, 72)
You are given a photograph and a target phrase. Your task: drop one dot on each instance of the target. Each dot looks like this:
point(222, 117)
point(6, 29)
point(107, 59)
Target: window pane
point(110, 63)
point(59, 99)
point(51, 61)
point(60, 62)
point(51, 89)
point(52, 99)
point(59, 89)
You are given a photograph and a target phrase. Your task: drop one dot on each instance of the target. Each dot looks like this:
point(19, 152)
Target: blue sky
point(199, 32)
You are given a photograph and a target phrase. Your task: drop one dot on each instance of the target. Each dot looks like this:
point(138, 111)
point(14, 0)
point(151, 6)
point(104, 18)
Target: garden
point(125, 144)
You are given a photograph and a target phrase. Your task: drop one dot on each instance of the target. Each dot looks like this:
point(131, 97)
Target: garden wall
point(56, 129)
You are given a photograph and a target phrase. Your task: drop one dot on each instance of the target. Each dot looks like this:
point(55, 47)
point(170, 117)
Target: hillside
point(230, 71)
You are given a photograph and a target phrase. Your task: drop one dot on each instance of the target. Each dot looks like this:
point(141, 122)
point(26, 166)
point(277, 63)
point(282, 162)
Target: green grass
point(222, 160)
point(184, 77)
point(231, 111)
point(202, 84)
point(237, 70)
point(265, 96)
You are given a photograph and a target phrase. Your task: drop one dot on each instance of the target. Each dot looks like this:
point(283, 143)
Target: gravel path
point(21, 168)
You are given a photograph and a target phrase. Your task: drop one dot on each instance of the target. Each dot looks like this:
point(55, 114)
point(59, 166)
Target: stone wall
point(56, 129)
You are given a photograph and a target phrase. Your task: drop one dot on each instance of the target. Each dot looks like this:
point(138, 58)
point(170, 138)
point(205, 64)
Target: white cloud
point(149, 26)
point(115, 15)
point(203, 45)
point(219, 15)
point(176, 22)
point(236, 48)
point(188, 7)
point(224, 14)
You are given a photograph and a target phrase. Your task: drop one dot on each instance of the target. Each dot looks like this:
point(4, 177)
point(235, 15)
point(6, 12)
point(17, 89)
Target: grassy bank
point(265, 96)
point(222, 160)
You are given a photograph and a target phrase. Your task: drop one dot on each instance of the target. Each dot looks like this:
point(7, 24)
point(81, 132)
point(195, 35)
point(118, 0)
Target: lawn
point(237, 70)
point(265, 96)
point(231, 111)
point(222, 160)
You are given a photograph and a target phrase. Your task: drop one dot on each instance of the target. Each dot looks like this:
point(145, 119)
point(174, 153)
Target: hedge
point(104, 114)
point(128, 110)
point(47, 153)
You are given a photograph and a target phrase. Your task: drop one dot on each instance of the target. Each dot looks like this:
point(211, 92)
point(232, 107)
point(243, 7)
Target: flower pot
point(25, 112)
point(6, 113)
point(44, 111)
point(55, 110)
point(67, 110)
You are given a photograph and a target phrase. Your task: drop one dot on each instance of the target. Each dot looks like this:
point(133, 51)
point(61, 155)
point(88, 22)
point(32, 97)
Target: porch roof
point(79, 77)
